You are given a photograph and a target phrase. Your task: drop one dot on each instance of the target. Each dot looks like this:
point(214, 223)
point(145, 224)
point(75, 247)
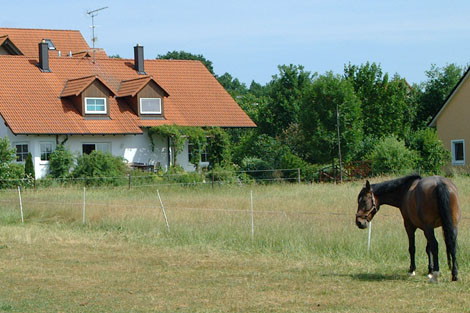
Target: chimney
point(44, 57)
point(139, 59)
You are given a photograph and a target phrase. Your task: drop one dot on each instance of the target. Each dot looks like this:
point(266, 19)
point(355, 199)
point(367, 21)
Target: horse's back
point(422, 205)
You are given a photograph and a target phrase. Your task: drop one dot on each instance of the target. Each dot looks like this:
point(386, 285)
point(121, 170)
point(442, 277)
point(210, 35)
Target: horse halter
point(373, 210)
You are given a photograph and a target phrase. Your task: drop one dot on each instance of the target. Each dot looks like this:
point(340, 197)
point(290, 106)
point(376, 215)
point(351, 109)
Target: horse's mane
point(393, 185)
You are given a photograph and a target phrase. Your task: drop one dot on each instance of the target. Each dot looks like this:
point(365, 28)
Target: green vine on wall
point(178, 135)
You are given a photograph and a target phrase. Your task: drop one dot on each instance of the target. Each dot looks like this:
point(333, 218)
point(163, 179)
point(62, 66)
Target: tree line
point(380, 117)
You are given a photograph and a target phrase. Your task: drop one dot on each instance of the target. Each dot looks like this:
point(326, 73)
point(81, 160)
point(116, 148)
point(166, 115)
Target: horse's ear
point(367, 185)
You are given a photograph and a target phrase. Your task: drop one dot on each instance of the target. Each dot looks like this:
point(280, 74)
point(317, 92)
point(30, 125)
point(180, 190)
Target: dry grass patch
point(307, 254)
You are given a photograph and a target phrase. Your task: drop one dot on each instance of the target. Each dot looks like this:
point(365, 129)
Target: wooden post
point(212, 178)
point(298, 175)
point(130, 179)
point(21, 204)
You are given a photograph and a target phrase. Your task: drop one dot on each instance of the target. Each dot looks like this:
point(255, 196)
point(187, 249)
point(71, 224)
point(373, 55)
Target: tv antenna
point(92, 14)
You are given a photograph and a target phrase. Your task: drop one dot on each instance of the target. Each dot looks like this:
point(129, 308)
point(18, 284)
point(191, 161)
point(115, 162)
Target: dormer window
point(95, 105)
point(50, 44)
point(89, 94)
point(150, 106)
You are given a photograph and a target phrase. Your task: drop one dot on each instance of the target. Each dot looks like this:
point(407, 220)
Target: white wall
point(133, 148)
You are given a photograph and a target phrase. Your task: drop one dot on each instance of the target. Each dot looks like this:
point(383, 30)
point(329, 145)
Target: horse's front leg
point(410, 230)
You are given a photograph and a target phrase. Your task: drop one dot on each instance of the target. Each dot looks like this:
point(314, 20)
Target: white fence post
point(252, 217)
point(368, 237)
point(21, 205)
point(84, 206)
point(163, 209)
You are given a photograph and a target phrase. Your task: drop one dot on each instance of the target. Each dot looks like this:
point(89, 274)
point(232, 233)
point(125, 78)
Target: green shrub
point(139, 177)
point(225, 175)
point(390, 156)
point(60, 162)
point(99, 168)
point(11, 173)
point(29, 167)
point(291, 161)
point(256, 168)
point(432, 154)
point(177, 175)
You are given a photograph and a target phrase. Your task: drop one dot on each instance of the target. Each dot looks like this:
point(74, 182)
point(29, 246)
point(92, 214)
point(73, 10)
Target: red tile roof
point(27, 41)
point(30, 100)
point(3, 39)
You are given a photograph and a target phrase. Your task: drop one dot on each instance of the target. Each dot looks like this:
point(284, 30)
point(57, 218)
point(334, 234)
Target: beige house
point(451, 122)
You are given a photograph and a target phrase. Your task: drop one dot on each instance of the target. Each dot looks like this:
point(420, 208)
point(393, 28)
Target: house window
point(22, 151)
point(458, 152)
point(150, 106)
point(88, 148)
point(95, 105)
point(46, 150)
point(204, 154)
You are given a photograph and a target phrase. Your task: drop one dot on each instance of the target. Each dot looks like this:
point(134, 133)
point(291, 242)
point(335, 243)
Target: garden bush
point(60, 162)
point(99, 168)
point(11, 174)
point(390, 156)
point(432, 154)
point(177, 175)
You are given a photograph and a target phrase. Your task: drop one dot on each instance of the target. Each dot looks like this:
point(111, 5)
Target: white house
point(67, 93)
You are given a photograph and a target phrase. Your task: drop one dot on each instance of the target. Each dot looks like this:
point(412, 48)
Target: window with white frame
point(46, 150)
point(458, 152)
point(150, 106)
point(22, 150)
point(95, 105)
point(88, 148)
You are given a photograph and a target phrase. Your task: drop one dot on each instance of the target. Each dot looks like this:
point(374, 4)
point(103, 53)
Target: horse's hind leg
point(410, 231)
point(428, 252)
point(453, 255)
point(433, 251)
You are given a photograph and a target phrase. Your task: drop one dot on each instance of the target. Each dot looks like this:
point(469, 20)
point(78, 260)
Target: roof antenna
point(94, 13)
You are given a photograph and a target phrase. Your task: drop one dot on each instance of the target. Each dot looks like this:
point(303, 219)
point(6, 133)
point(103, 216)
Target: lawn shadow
point(371, 277)
point(377, 277)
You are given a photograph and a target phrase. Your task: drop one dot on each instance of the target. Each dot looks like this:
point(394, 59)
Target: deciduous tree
point(319, 122)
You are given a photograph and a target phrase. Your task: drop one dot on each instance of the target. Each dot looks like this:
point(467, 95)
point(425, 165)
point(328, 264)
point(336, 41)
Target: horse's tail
point(448, 227)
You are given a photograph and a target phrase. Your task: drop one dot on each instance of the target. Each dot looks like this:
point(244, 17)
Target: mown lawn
point(306, 253)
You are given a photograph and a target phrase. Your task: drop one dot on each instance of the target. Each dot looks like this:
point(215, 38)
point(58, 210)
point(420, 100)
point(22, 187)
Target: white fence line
point(251, 210)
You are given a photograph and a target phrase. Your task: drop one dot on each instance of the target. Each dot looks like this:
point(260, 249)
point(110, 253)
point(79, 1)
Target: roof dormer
point(144, 95)
point(8, 47)
point(89, 94)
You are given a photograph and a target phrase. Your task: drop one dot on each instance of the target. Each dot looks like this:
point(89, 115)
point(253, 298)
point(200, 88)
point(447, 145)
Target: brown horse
point(424, 203)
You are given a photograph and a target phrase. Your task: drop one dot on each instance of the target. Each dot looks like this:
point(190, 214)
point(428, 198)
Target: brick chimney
point(139, 59)
point(44, 57)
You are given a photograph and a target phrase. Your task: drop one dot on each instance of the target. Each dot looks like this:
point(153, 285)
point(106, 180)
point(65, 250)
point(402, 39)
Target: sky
point(249, 39)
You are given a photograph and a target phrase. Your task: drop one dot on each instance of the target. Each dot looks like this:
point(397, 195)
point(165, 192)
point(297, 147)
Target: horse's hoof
point(429, 275)
point(454, 278)
point(433, 279)
point(411, 274)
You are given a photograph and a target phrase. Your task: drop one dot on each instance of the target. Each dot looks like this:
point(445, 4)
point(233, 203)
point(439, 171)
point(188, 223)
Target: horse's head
point(366, 206)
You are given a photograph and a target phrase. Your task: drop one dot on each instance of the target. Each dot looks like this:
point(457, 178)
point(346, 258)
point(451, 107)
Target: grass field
point(306, 253)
